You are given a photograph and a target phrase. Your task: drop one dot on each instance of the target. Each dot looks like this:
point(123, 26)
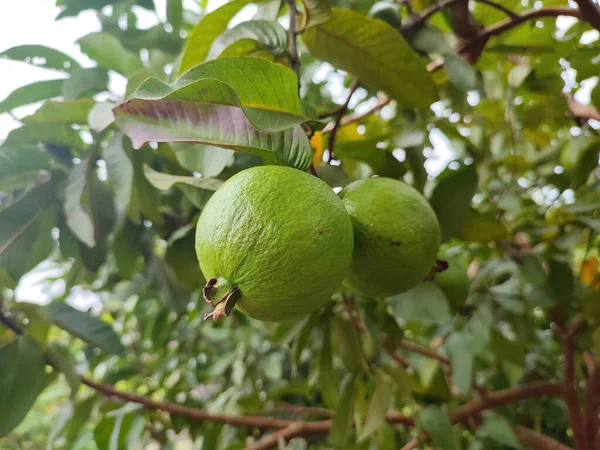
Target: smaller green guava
point(396, 236)
point(388, 12)
point(273, 241)
point(454, 283)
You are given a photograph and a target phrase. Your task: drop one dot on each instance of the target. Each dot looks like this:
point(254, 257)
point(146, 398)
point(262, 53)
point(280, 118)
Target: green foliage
point(100, 195)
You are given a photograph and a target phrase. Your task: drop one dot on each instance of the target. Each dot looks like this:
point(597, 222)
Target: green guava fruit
point(454, 283)
point(396, 236)
point(273, 241)
point(388, 12)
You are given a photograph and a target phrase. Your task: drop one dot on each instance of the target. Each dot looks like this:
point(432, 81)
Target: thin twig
point(410, 444)
point(590, 12)
point(338, 119)
point(396, 357)
point(293, 430)
point(411, 346)
point(499, 7)
point(295, 60)
point(570, 395)
point(538, 441)
point(592, 401)
point(427, 13)
point(9, 324)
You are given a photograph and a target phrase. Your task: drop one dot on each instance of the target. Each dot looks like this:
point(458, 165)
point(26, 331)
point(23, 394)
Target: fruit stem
point(221, 294)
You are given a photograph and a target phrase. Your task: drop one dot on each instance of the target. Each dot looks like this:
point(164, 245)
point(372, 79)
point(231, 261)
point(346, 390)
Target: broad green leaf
point(439, 428)
point(111, 433)
point(25, 237)
point(374, 52)
point(109, 53)
point(31, 93)
point(477, 227)
point(19, 164)
point(210, 27)
point(378, 406)
point(499, 429)
point(423, 303)
point(580, 161)
point(77, 205)
point(42, 56)
point(62, 360)
point(460, 350)
point(22, 379)
point(266, 92)
point(267, 10)
point(506, 350)
point(342, 422)
point(85, 82)
point(164, 181)
point(318, 12)
point(247, 47)
point(119, 168)
point(218, 125)
point(81, 415)
point(327, 376)
point(61, 134)
point(75, 111)
point(461, 73)
point(86, 327)
point(562, 283)
point(206, 159)
point(451, 198)
point(269, 33)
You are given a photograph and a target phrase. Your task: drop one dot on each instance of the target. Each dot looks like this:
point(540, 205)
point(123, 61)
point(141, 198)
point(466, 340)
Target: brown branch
point(10, 324)
point(338, 119)
point(592, 403)
point(410, 445)
point(590, 12)
point(498, 398)
point(296, 409)
point(538, 441)
point(295, 60)
point(291, 431)
point(193, 413)
point(427, 13)
point(411, 346)
point(568, 388)
point(396, 357)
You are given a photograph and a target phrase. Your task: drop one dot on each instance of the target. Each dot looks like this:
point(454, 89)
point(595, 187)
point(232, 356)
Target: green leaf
point(268, 33)
point(86, 327)
point(505, 350)
point(78, 202)
point(31, 93)
point(19, 164)
point(175, 13)
point(461, 73)
point(378, 406)
point(112, 432)
point(477, 227)
point(42, 56)
point(25, 237)
point(375, 53)
point(219, 125)
point(81, 415)
point(266, 92)
point(437, 424)
point(85, 82)
point(206, 159)
point(342, 421)
point(22, 379)
point(45, 133)
point(327, 376)
point(109, 53)
point(562, 283)
point(319, 11)
point(164, 181)
point(62, 360)
point(424, 303)
point(460, 350)
point(75, 111)
point(119, 168)
point(210, 27)
point(499, 429)
point(451, 198)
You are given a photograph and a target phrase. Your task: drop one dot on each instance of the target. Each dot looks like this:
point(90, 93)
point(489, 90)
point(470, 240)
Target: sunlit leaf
point(374, 52)
point(31, 93)
point(62, 112)
point(109, 53)
point(42, 56)
point(269, 34)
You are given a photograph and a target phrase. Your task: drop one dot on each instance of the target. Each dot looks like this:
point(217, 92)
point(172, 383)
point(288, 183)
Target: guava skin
point(396, 236)
point(276, 240)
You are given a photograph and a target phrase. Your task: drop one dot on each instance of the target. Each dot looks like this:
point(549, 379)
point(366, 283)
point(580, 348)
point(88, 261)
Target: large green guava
point(396, 236)
point(273, 241)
